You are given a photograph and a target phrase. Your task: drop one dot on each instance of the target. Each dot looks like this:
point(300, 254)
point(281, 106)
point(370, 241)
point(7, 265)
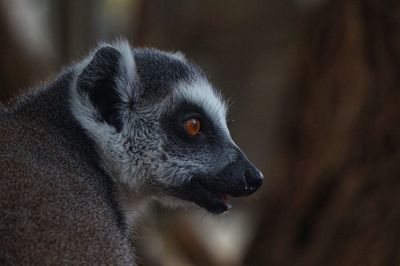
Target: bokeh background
point(315, 87)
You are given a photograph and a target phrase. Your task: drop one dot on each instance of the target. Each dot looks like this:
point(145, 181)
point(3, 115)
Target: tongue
point(224, 197)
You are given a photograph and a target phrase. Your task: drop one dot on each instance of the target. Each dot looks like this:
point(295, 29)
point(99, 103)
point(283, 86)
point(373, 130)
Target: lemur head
point(160, 127)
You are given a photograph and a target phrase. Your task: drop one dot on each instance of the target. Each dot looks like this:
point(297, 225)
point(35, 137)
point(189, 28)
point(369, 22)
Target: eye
point(192, 126)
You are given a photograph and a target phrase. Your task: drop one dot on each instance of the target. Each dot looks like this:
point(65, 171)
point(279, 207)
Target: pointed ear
point(107, 81)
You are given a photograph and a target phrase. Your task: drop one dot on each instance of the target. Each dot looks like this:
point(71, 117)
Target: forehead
point(167, 76)
point(158, 71)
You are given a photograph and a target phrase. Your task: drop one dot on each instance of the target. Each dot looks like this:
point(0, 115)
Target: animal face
point(160, 127)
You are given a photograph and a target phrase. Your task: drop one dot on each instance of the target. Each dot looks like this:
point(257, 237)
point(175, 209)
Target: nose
point(240, 178)
point(253, 179)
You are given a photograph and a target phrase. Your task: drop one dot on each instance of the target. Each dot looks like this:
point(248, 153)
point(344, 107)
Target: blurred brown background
point(316, 92)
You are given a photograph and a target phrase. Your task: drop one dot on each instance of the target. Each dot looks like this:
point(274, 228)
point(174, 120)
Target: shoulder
point(59, 209)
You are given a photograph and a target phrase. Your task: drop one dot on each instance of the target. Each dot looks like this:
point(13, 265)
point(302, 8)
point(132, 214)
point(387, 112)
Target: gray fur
point(54, 198)
point(81, 156)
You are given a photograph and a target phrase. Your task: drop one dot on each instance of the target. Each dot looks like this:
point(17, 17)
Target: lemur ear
point(107, 81)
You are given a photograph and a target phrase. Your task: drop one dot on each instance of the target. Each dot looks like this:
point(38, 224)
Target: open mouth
point(213, 192)
point(213, 201)
point(219, 204)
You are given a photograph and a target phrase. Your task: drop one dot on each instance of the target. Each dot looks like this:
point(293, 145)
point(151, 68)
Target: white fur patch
point(201, 92)
point(127, 68)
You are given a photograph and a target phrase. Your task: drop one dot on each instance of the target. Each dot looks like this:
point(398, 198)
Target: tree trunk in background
point(337, 202)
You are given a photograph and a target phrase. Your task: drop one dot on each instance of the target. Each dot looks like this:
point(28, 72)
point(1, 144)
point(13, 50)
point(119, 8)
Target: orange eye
point(192, 126)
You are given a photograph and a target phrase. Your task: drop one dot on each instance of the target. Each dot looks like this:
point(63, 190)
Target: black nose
point(253, 179)
point(239, 178)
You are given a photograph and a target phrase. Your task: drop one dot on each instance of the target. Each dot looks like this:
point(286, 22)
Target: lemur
point(82, 154)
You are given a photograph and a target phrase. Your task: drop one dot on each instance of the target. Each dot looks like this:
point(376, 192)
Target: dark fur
point(61, 210)
point(150, 63)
